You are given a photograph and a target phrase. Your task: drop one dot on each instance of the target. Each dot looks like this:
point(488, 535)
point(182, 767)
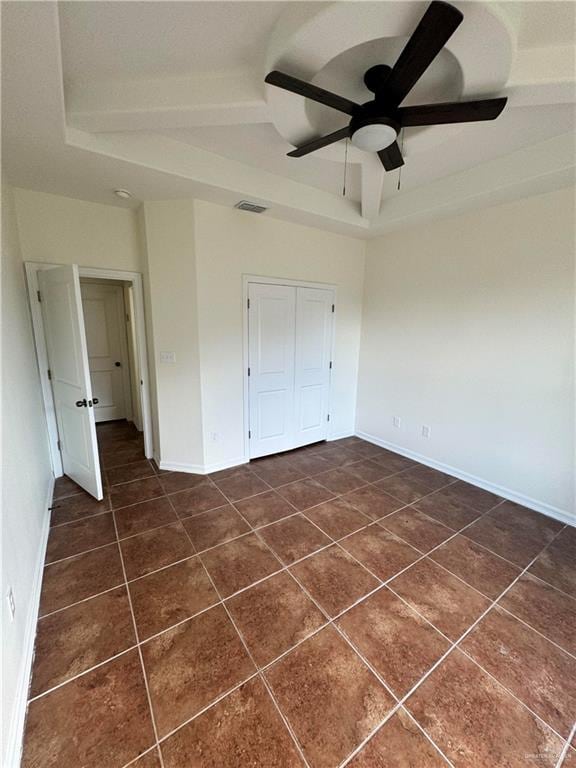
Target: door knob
point(81, 403)
point(95, 400)
point(117, 364)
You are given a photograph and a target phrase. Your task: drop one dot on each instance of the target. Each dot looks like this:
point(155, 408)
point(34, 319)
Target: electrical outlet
point(11, 603)
point(425, 430)
point(396, 421)
point(214, 437)
point(168, 357)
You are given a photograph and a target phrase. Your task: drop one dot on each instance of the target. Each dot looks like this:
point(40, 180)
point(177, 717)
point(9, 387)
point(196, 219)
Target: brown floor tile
point(337, 518)
point(331, 699)
point(339, 457)
point(135, 471)
point(367, 470)
point(536, 671)
point(411, 485)
point(138, 518)
point(264, 508)
point(281, 474)
point(365, 449)
point(432, 478)
point(239, 563)
point(546, 609)
point(447, 508)
point(154, 549)
point(557, 564)
point(80, 577)
point(73, 640)
point(76, 507)
point(192, 664)
point(60, 726)
point(380, 551)
point(417, 529)
point(149, 760)
point(474, 497)
point(80, 536)
point(305, 493)
point(400, 644)
point(116, 457)
point(293, 538)
point(241, 486)
point(171, 595)
point(339, 480)
point(399, 744)
point(475, 722)
point(215, 527)
point(179, 481)
point(65, 486)
point(373, 502)
point(135, 491)
point(240, 469)
point(514, 532)
point(273, 616)
point(477, 566)
point(244, 729)
point(202, 498)
point(334, 579)
point(393, 462)
point(440, 597)
point(310, 464)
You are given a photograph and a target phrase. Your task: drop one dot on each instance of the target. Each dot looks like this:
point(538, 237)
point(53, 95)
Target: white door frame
point(246, 280)
point(135, 278)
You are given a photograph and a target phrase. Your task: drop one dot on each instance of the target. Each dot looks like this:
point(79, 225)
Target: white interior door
point(312, 369)
point(271, 333)
point(104, 320)
point(68, 358)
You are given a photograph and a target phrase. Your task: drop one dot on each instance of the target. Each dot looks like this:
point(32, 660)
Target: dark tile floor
point(338, 605)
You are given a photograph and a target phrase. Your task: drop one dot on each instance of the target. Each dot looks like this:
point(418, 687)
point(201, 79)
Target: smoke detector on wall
point(246, 205)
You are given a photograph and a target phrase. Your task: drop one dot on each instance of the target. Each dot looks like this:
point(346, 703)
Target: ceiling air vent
point(246, 205)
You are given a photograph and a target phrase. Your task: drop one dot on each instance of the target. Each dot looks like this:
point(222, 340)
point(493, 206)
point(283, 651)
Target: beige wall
point(60, 230)
point(26, 482)
point(232, 243)
point(468, 327)
point(168, 232)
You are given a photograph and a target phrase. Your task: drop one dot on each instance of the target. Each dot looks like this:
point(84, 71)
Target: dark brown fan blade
point(391, 157)
point(310, 91)
point(432, 33)
point(323, 141)
point(452, 112)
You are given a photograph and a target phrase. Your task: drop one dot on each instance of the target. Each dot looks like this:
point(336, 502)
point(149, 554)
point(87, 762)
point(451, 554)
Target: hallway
point(339, 604)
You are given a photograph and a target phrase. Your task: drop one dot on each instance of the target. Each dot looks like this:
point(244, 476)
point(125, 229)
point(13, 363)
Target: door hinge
point(59, 444)
point(330, 364)
point(328, 417)
point(248, 370)
point(39, 295)
point(249, 434)
point(248, 303)
point(332, 307)
point(49, 374)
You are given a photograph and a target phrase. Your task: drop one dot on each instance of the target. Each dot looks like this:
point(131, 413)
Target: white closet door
point(68, 358)
point(272, 320)
point(312, 370)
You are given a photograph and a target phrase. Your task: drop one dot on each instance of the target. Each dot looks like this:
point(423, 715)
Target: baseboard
point(202, 469)
point(16, 730)
point(339, 436)
point(561, 515)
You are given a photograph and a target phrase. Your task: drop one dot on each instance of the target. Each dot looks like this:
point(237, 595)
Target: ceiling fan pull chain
point(402, 152)
point(345, 168)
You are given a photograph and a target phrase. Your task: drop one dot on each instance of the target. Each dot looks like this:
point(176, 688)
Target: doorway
point(70, 307)
point(289, 349)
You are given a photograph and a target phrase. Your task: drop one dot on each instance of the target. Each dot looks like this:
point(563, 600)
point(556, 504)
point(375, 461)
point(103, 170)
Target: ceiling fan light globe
point(374, 137)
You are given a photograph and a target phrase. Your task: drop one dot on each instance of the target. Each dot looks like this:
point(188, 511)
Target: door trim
point(262, 279)
point(135, 278)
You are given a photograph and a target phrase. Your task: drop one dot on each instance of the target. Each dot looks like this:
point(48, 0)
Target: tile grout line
point(142, 667)
point(449, 651)
point(566, 747)
point(256, 666)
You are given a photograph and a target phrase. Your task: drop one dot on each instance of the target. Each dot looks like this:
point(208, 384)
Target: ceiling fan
point(375, 126)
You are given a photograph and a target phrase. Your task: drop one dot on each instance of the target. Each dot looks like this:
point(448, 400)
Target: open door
point(61, 303)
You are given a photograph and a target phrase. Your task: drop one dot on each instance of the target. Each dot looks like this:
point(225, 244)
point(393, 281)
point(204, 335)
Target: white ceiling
point(168, 99)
